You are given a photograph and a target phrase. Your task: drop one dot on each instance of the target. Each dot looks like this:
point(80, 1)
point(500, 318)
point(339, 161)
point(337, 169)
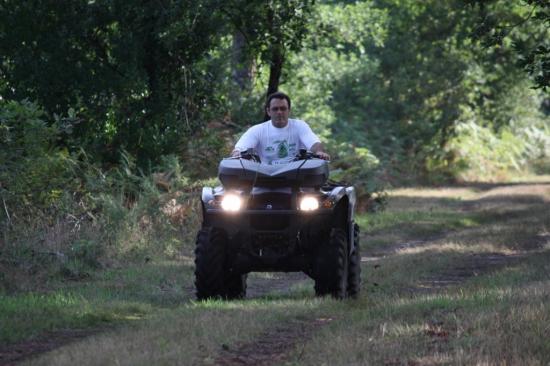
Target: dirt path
point(265, 284)
point(14, 353)
point(272, 347)
point(469, 266)
point(503, 202)
point(278, 284)
point(259, 285)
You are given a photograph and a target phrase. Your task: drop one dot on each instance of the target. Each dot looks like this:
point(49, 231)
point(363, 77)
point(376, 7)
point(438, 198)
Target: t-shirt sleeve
point(307, 137)
point(248, 140)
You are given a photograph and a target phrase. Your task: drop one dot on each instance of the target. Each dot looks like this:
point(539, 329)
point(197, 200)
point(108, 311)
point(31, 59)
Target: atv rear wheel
point(210, 263)
point(331, 267)
point(354, 270)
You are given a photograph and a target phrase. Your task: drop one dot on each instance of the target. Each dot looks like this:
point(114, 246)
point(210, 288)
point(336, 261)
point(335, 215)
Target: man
point(279, 140)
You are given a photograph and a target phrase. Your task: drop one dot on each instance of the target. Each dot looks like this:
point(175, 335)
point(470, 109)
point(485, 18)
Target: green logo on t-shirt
point(282, 149)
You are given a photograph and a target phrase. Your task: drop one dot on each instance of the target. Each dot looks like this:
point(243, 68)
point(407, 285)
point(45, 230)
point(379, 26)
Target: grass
point(191, 334)
point(493, 241)
point(493, 320)
point(109, 297)
point(397, 225)
point(498, 314)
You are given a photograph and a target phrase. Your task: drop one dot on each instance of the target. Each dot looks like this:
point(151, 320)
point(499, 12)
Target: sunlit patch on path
point(471, 266)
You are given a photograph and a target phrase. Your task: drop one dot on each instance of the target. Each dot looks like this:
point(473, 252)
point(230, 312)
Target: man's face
point(278, 111)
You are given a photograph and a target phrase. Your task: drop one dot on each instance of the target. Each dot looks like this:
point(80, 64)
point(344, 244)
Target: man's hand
point(323, 155)
point(317, 149)
point(236, 154)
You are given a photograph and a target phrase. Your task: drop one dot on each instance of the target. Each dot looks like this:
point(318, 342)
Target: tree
point(527, 24)
point(399, 76)
point(270, 30)
point(415, 93)
point(131, 70)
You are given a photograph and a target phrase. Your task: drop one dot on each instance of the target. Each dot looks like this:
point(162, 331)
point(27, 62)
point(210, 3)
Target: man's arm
point(308, 138)
point(247, 140)
point(317, 148)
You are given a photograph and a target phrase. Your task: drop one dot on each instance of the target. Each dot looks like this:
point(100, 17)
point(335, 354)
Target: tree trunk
point(275, 69)
point(243, 65)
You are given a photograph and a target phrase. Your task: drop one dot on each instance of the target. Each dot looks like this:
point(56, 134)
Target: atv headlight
point(309, 203)
point(231, 202)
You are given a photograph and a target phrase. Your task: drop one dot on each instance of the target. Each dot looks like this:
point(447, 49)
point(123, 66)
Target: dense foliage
point(403, 83)
point(525, 24)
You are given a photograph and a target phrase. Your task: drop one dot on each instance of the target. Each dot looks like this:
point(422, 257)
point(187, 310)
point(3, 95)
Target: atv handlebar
point(306, 155)
point(302, 155)
point(249, 155)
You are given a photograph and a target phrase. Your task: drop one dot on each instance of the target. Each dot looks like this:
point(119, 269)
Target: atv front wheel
point(331, 268)
point(354, 270)
point(236, 286)
point(210, 264)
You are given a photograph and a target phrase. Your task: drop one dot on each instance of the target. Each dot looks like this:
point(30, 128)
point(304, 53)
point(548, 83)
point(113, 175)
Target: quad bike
point(285, 218)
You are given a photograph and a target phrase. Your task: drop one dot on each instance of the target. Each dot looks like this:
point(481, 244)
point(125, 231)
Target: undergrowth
point(63, 217)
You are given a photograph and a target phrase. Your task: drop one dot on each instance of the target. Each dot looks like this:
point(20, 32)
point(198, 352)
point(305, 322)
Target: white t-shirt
point(278, 145)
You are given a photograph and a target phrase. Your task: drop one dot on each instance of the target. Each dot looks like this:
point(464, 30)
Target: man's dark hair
point(277, 95)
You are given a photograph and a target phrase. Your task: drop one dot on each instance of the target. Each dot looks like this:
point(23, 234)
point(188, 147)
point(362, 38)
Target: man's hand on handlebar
point(323, 155)
point(305, 155)
point(317, 149)
point(249, 154)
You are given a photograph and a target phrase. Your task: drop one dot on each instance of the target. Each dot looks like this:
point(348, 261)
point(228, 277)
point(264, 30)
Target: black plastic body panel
point(241, 173)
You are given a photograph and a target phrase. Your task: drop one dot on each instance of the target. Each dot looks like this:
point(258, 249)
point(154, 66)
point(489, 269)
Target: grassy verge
point(107, 297)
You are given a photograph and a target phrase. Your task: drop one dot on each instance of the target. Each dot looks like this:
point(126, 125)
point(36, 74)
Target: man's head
point(278, 108)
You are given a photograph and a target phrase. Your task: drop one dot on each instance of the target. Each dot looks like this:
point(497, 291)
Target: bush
point(483, 154)
point(62, 215)
point(537, 148)
point(357, 166)
point(33, 172)
point(147, 215)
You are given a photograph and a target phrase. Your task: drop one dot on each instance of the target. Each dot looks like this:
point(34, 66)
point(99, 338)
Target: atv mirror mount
point(250, 155)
